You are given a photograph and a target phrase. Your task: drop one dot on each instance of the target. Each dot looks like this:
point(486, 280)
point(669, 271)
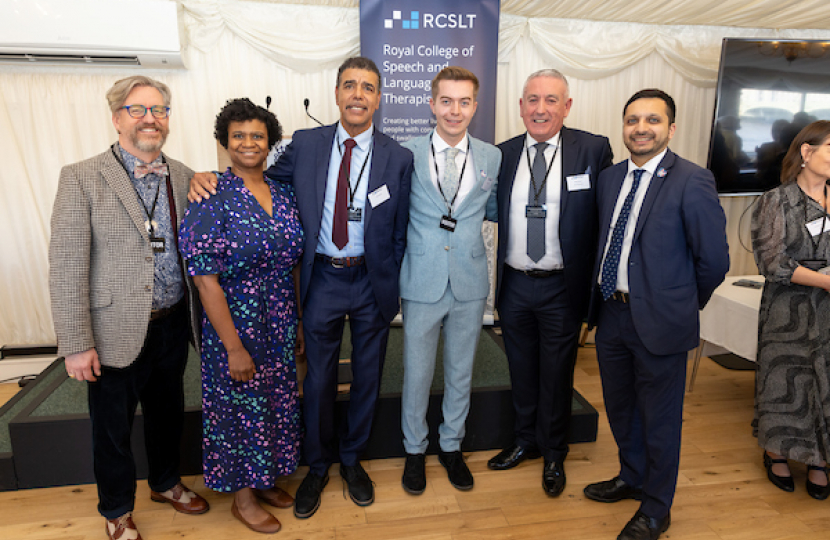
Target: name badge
point(379, 196)
point(815, 226)
point(578, 182)
point(158, 244)
point(355, 214)
point(448, 223)
point(538, 212)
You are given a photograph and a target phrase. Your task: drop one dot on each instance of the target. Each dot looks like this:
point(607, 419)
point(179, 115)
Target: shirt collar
point(552, 142)
point(130, 161)
point(440, 144)
point(363, 140)
point(651, 165)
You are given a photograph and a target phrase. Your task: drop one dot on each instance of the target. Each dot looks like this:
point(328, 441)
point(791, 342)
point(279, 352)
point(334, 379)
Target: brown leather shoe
point(269, 525)
point(122, 528)
point(182, 499)
point(275, 496)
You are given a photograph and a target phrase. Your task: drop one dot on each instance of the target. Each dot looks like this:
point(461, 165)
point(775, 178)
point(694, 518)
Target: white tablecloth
point(729, 322)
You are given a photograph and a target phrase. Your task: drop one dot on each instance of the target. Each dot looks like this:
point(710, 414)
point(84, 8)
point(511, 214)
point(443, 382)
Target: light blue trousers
point(422, 323)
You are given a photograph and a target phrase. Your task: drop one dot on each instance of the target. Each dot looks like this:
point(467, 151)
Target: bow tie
point(143, 169)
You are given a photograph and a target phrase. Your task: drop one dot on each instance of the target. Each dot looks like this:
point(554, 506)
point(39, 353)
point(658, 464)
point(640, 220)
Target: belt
point(340, 262)
point(620, 296)
point(156, 314)
point(539, 273)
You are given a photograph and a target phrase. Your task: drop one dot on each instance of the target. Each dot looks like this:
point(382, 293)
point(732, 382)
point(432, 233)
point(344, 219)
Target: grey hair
point(117, 95)
point(548, 72)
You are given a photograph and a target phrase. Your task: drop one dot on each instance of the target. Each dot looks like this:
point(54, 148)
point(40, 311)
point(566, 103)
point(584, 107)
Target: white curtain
point(53, 116)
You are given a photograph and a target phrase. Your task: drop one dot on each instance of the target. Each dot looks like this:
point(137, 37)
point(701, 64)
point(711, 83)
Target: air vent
point(69, 59)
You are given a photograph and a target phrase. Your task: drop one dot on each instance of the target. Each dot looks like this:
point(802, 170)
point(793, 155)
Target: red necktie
point(340, 227)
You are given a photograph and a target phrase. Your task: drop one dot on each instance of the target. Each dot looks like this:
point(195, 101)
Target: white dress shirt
point(649, 168)
point(517, 239)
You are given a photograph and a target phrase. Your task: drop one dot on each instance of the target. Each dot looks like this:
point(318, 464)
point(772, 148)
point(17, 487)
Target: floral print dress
point(251, 429)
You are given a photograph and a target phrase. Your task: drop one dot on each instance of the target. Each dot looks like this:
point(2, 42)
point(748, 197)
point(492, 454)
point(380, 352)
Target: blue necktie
point(612, 258)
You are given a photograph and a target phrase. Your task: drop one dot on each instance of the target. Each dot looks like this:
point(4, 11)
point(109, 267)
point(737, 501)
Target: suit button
point(148, 259)
point(147, 288)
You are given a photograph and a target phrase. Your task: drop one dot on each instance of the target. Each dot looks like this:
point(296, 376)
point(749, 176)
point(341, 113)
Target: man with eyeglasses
point(120, 304)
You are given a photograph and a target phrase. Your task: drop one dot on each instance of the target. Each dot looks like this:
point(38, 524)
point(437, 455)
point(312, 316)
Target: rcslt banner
point(412, 40)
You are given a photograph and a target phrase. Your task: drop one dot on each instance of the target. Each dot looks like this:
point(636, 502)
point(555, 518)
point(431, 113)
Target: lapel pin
point(661, 172)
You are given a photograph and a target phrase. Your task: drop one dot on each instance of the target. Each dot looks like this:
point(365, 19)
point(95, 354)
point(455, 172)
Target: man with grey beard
point(120, 303)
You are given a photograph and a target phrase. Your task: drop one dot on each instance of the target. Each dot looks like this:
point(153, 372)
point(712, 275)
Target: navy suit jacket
point(582, 152)
point(679, 253)
point(305, 164)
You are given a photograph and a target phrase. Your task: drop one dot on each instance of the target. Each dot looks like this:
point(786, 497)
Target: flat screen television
point(767, 91)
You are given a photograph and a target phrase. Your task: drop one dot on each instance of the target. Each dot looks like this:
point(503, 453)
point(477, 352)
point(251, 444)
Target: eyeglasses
point(138, 111)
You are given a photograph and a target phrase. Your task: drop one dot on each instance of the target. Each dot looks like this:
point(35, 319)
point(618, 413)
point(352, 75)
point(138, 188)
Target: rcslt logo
point(430, 20)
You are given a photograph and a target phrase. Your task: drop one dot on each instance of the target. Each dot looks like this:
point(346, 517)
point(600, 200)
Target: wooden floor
point(722, 491)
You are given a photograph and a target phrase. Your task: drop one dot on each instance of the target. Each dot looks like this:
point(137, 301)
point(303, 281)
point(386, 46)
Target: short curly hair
point(242, 110)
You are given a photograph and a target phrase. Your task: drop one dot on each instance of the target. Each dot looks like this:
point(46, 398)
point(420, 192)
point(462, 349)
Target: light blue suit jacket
point(435, 256)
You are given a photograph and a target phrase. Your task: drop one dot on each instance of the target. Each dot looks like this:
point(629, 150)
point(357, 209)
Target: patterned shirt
point(168, 285)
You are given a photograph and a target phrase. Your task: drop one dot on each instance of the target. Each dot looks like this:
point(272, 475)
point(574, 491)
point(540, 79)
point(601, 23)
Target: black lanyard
point(537, 192)
point(821, 235)
point(363, 168)
point(149, 213)
point(460, 175)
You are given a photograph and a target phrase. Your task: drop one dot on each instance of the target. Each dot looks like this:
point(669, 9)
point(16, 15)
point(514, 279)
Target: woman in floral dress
point(242, 246)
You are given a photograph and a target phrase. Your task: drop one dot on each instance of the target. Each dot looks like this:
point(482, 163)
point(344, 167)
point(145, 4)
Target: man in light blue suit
point(444, 276)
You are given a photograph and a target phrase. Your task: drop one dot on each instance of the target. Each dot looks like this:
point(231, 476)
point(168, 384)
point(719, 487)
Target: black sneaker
point(307, 499)
point(414, 479)
point(360, 485)
point(457, 471)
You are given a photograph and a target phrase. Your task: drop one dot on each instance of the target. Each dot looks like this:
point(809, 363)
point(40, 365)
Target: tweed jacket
point(101, 265)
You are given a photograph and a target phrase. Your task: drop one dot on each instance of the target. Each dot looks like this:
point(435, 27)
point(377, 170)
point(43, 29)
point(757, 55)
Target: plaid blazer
point(101, 265)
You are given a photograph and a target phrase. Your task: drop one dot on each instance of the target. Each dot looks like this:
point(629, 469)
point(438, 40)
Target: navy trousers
point(541, 335)
point(643, 395)
point(333, 294)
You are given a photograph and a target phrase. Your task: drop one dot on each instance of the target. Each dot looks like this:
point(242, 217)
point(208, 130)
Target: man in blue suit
point(662, 252)
point(351, 184)
point(444, 278)
point(547, 240)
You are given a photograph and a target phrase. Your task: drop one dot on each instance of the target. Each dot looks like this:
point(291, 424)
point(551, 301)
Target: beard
point(144, 143)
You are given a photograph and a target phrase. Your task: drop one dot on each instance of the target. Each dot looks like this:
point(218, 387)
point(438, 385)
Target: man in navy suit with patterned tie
point(662, 252)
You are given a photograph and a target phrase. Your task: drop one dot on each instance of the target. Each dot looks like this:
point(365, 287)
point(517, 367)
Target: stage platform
point(45, 433)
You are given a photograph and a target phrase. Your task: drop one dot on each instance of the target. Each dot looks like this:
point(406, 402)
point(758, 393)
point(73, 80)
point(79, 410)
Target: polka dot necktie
point(612, 258)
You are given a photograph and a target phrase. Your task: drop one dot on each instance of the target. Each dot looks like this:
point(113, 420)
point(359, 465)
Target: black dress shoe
point(457, 471)
point(814, 490)
point(611, 491)
point(307, 499)
point(642, 527)
point(553, 478)
point(360, 485)
point(781, 482)
point(511, 456)
point(414, 479)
